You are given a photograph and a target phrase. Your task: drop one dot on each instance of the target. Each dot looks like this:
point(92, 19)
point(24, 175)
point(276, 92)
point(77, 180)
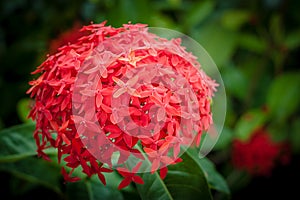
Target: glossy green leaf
point(17, 151)
point(214, 178)
point(16, 154)
point(283, 96)
point(92, 189)
point(17, 143)
point(37, 171)
point(248, 123)
point(234, 19)
point(185, 180)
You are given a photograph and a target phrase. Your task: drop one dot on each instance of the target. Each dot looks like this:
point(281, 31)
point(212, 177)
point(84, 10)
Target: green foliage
point(252, 43)
point(211, 37)
point(283, 96)
point(295, 136)
point(234, 19)
point(35, 171)
point(18, 156)
point(235, 81)
point(17, 143)
point(185, 180)
point(23, 109)
point(248, 123)
point(92, 190)
point(139, 12)
point(214, 179)
point(292, 40)
point(198, 13)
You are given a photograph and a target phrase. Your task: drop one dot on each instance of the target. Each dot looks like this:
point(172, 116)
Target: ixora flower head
point(259, 155)
point(120, 98)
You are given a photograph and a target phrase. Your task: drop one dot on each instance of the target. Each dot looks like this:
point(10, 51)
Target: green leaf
point(295, 136)
point(16, 154)
point(92, 189)
point(160, 20)
point(17, 151)
point(236, 83)
point(217, 41)
point(124, 11)
point(17, 143)
point(252, 43)
point(225, 139)
point(276, 28)
point(19, 187)
point(23, 109)
point(174, 3)
point(283, 97)
point(214, 178)
point(36, 171)
point(292, 40)
point(185, 180)
point(198, 13)
point(249, 122)
point(234, 19)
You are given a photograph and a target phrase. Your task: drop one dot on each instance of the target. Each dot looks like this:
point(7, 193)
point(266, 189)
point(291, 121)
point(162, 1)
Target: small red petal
point(163, 172)
point(138, 179)
point(102, 178)
point(155, 165)
point(128, 140)
point(161, 114)
point(124, 183)
point(67, 176)
point(136, 168)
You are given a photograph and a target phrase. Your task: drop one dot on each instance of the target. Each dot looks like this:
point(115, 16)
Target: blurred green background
point(255, 45)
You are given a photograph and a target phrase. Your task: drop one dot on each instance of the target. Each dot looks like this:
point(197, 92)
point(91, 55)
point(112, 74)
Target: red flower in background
point(68, 37)
point(260, 154)
point(98, 97)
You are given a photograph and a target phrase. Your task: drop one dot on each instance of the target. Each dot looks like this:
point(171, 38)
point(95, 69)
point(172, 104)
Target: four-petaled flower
point(131, 58)
point(159, 158)
point(126, 87)
point(130, 176)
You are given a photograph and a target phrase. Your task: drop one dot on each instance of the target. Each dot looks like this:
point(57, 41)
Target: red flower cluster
point(259, 155)
point(120, 98)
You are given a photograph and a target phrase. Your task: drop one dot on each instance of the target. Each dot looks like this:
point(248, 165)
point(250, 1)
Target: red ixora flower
point(260, 154)
point(120, 93)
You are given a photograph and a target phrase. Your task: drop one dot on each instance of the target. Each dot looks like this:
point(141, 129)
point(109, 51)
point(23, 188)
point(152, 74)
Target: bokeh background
point(255, 45)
